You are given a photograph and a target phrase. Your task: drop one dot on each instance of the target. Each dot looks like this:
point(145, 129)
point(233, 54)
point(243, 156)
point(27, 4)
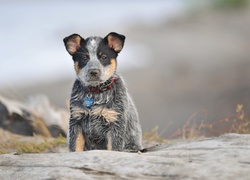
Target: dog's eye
point(84, 57)
point(104, 57)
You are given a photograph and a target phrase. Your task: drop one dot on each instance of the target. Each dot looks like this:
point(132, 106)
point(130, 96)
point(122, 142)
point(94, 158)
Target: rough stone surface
point(224, 157)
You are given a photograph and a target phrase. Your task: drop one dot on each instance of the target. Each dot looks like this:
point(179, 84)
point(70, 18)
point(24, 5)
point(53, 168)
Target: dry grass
point(37, 144)
point(234, 123)
point(152, 136)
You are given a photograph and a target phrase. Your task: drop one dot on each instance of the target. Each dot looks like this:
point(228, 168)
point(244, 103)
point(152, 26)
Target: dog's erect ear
point(72, 43)
point(115, 41)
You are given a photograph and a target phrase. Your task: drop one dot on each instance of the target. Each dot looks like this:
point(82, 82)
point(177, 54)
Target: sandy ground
point(198, 61)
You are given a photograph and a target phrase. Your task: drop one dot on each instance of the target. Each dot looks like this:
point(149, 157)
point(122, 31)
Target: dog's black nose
point(94, 74)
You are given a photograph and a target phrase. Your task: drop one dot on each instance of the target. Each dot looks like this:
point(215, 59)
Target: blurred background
point(181, 59)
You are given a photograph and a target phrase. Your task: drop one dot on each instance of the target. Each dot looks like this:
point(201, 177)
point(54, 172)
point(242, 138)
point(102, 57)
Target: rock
point(224, 157)
point(36, 115)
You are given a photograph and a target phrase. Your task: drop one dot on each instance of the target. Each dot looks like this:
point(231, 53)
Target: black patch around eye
point(82, 57)
point(105, 54)
point(104, 59)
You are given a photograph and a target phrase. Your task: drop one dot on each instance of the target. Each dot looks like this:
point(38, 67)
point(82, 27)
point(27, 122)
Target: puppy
point(102, 114)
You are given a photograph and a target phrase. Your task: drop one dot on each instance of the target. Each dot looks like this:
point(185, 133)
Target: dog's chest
point(99, 120)
point(96, 126)
point(95, 130)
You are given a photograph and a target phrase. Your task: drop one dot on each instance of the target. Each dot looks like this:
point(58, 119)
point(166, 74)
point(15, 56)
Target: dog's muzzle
point(94, 74)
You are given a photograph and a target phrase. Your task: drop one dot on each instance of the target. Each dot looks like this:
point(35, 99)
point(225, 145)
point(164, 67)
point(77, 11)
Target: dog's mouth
point(94, 82)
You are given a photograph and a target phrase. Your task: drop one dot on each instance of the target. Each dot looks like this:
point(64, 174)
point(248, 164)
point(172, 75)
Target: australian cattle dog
point(102, 114)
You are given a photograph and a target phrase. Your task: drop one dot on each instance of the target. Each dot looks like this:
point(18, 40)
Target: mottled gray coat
point(111, 124)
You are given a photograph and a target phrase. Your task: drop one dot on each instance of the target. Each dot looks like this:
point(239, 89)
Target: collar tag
point(88, 102)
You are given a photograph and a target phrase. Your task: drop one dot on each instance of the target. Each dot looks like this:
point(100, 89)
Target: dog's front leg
point(115, 137)
point(76, 136)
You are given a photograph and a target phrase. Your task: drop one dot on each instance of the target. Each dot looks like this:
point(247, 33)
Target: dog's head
point(94, 57)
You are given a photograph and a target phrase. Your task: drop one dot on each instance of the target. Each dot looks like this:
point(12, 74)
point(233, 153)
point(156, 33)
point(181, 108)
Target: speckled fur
point(120, 130)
